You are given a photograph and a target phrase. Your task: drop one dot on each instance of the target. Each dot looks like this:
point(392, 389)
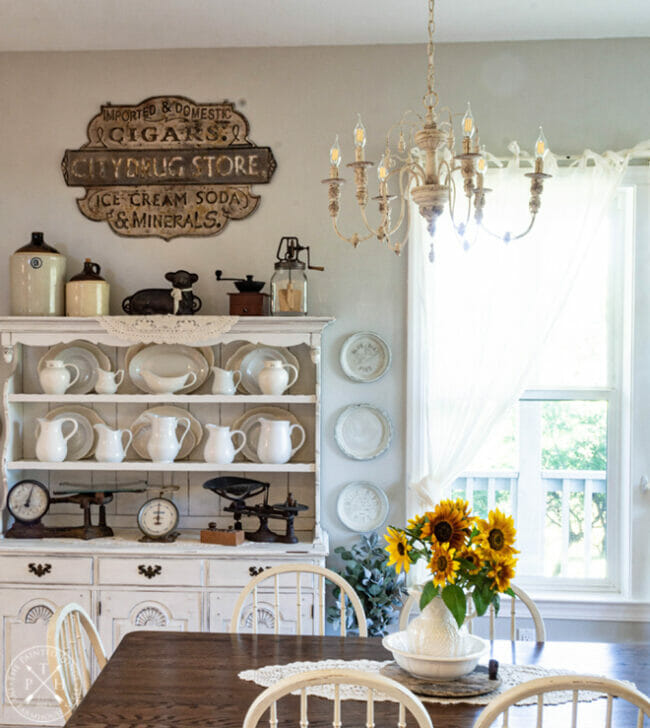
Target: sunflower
point(398, 549)
point(502, 571)
point(442, 564)
point(446, 524)
point(415, 523)
point(497, 535)
point(473, 558)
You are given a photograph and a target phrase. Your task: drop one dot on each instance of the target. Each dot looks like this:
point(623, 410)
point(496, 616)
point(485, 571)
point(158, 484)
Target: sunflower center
point(401, 549)
point(442, 531)
point(496, 539)
point(442, 563)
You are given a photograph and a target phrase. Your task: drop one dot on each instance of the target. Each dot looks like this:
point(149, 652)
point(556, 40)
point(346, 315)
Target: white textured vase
point(435, 632)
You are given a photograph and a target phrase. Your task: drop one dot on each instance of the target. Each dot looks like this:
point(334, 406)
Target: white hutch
point(124, 583)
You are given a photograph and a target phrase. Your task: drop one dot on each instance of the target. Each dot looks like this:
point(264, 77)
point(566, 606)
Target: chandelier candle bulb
point(359, 139)
point(335, 158)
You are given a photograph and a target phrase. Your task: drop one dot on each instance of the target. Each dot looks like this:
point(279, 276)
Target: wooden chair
point(574, 683)
point(540, 629)
point(320, 575)
point(373, 682)
point(69, 635)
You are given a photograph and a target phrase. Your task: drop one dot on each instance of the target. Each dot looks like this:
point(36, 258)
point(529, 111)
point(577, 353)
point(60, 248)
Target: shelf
point(189, 466)
point(163, 398)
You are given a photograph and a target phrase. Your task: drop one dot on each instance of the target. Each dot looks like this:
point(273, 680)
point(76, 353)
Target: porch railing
point(487, 490)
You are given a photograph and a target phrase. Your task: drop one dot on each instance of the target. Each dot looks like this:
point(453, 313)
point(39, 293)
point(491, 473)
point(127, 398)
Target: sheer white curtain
point(478, 318)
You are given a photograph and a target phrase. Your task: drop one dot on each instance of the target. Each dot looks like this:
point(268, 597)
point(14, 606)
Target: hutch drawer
point(44, 569)
point(151, 571)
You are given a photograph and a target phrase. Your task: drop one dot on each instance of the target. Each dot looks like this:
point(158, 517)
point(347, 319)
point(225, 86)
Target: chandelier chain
point(431, 97)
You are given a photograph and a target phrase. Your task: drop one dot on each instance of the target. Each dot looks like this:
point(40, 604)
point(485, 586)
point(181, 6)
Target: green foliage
point(380, 589)
point(429, 592)
point(574, 436)
point(454, 597)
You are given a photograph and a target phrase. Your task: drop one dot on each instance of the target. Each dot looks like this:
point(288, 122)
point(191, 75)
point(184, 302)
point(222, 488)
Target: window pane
point(574, 477)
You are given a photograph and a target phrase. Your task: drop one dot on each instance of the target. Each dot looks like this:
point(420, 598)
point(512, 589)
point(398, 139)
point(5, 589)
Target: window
point(556, 461)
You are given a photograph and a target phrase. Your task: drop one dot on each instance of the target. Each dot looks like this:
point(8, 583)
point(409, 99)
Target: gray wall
point(586, 94)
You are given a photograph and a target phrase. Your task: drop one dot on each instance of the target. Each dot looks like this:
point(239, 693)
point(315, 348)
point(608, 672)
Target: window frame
point(621, 318)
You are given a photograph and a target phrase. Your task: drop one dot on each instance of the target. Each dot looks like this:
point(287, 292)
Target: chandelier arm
point(354, 239)
point(507, 237)
point(404, 212)
point(373, 232)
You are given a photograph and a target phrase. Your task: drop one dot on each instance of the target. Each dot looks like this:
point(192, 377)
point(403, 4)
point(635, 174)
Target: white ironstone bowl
point(434, 668)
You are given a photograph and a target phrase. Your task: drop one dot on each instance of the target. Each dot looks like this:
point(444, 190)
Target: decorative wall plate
point(85, 356)
point(363, 432)
point(141, 429)
point(362, 506)
point(82, 444)
point(250, 358)
point(248, 419)
point(365, 357)
point(167, 360)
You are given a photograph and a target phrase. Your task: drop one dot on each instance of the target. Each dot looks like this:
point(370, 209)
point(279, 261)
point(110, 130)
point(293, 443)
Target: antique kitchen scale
point(28, 501)
point(239, 490)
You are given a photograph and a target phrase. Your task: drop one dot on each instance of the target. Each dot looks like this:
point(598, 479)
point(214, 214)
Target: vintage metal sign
point(168, 167)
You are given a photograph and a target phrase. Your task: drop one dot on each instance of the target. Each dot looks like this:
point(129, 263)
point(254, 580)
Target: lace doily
point(510, 675)
point(168, 329)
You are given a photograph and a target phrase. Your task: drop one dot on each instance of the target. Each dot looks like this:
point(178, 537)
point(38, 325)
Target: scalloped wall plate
point(362, 506)
point(363, 431)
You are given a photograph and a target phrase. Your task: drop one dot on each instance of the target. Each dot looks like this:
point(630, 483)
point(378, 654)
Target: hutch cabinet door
point(221, 606)
point(25, 614)
point(122, 612)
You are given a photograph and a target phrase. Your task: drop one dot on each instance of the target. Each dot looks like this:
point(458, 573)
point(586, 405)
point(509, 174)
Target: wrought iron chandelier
point(423, 167)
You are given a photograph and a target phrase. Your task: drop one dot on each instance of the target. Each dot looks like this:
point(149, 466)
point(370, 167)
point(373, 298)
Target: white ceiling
point(143, 24)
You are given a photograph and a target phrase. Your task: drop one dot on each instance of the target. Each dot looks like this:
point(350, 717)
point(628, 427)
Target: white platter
point(167, 360)
point(85, 356)
point(248, 419)
point(82, 444)
point(250, 358)
point(365, 357)
point(434, 668)
point(363, 432)
point(362, 506)
point(141, 429)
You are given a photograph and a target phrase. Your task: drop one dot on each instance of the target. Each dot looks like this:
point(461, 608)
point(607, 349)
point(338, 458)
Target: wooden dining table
point(190, 680)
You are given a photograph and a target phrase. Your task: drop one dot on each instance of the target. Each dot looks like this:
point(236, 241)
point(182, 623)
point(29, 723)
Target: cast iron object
point(237, 490)
point(88, 531)
point(243, 285)
point(179, 300)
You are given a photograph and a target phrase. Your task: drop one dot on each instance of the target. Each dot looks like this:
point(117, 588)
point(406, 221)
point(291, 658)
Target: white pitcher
point(163, 445)
point(274, 378)
point(51, 443)
point(224, 381)
point(274, 446)
point(108, 382)
point(219, 448)
point(55, 377)
point(110, 444)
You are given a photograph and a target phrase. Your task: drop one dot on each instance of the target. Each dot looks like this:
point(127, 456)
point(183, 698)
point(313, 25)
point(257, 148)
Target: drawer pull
point(150, 571)
point(255, 570)
point(40, 569)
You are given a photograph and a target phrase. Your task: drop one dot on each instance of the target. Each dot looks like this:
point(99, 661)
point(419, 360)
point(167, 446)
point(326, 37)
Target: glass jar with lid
point(289, 281)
